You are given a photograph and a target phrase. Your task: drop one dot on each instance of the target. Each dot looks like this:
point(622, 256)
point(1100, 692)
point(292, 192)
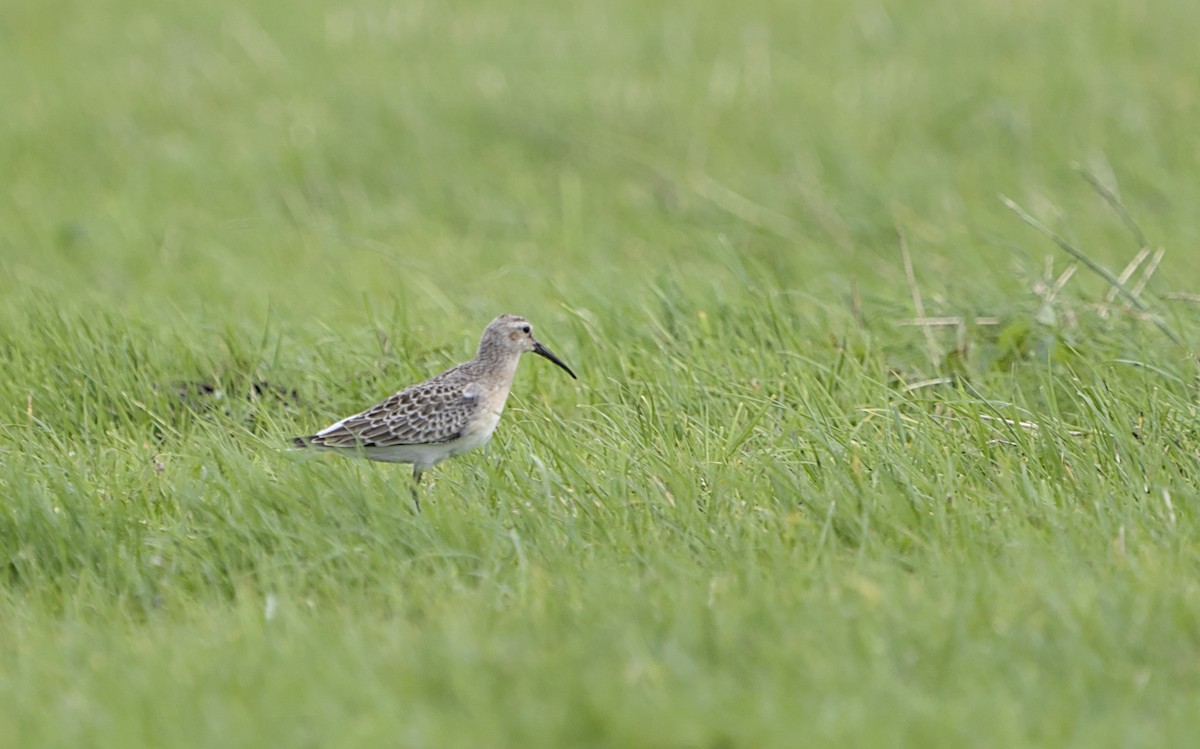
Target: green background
point(771, 512)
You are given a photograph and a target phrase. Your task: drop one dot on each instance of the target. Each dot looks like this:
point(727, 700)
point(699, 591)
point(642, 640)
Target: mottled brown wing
point(428, 413)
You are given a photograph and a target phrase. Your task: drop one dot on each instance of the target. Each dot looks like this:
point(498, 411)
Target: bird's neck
point(498, 360)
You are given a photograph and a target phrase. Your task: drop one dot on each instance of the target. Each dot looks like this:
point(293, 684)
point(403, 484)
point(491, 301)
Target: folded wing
point(425, 414)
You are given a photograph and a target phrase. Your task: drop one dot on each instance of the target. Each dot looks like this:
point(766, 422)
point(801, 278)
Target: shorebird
point(444, 416)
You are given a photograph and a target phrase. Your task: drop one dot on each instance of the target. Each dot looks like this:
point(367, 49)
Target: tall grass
point(780, 507)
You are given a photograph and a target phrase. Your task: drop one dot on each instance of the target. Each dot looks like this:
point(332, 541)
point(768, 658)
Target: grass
point(771, 512)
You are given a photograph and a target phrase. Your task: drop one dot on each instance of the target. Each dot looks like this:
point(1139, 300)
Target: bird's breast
point(486, 419)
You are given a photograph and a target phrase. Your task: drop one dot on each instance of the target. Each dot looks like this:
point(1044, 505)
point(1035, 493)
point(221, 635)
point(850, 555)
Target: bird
point(447, 415)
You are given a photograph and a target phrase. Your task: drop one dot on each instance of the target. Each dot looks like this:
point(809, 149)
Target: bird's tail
point(303, 441)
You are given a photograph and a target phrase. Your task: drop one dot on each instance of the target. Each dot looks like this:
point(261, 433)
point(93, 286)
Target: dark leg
point(416, 488)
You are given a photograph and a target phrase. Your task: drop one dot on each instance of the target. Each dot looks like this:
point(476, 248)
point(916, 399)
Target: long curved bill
point(541, 350)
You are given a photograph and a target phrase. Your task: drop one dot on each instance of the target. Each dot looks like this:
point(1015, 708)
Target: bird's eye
point(525, 329)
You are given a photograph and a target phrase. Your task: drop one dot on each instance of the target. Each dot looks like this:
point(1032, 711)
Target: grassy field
point(772, 512)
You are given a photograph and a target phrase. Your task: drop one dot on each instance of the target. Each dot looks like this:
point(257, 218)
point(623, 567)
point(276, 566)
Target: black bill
point(541, 350)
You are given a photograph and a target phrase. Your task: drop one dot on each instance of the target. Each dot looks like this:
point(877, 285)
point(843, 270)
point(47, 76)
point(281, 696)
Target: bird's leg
point(416, 488)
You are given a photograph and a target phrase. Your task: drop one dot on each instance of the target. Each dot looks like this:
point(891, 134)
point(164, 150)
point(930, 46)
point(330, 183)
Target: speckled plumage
point(444, 416)
point(432, 412)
